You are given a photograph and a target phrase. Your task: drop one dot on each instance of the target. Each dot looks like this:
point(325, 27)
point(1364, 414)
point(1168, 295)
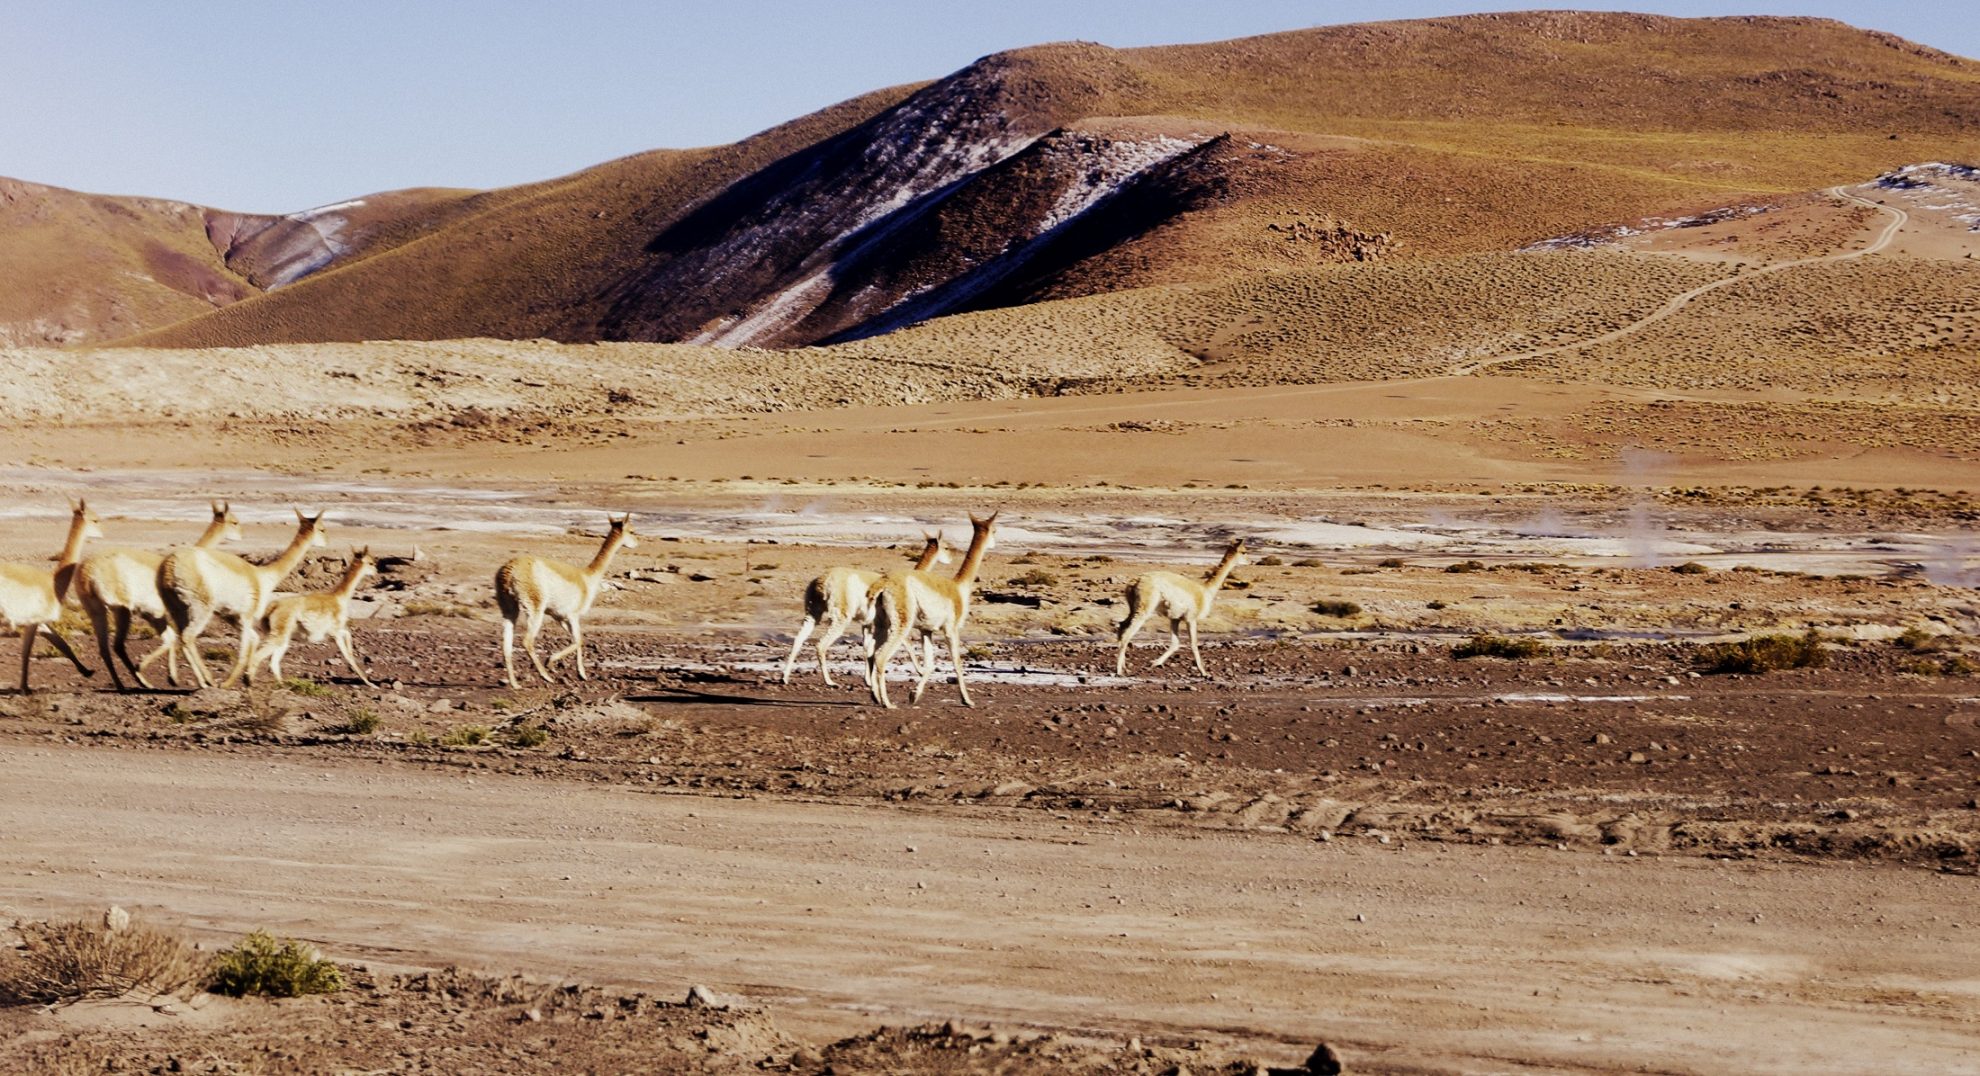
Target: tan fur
point(31, 596)
point(924, 602)
point(113, 585)
point(200, 584)
point(839, 600)
point(531, 588)
point(1182, 601)
point(323, 615)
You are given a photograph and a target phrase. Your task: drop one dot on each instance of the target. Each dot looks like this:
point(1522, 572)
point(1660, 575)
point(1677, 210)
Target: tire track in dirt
point(1677, 303)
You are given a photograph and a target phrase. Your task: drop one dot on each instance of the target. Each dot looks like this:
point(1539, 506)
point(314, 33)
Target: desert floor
point(1596, 859)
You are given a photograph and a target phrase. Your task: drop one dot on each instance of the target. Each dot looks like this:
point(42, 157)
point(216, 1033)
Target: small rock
point(1638, 757)
point(699, 997)
point(534, 1016)
point(1602, 738)
point(116, 919)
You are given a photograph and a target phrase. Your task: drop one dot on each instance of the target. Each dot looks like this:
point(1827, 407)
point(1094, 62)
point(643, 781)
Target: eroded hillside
point(1071, 170)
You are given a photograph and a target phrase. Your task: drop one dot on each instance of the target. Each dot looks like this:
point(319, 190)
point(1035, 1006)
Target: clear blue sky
point(278, 105)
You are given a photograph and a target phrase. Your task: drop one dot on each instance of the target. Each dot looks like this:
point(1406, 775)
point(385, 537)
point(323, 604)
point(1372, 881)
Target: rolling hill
point(1075, 170)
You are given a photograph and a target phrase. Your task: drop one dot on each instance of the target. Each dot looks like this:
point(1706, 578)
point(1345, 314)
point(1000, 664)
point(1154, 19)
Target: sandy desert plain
point(1596, 852)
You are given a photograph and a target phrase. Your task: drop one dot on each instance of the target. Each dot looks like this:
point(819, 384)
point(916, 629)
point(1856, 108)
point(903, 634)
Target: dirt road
point(1406, 954)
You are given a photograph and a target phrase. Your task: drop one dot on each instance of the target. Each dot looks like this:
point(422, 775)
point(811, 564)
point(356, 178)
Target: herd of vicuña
point(178, 594)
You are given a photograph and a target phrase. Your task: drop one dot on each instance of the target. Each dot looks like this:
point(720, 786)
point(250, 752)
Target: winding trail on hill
point(1425, 956)
point(1678, 302)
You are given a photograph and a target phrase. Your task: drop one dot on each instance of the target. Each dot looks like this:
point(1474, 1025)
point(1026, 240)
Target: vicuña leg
point(576, 647)
point(1129, 629)
point(1194, 652)
point(833, 628)
point(243, 671)
point(797, 644)
point(196, 621)
point(1175, 641)
point(530, 631)
point(509, 651)
point(345, 647)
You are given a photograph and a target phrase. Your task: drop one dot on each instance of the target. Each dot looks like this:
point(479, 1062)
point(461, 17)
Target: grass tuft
point(361, 723)
point(308, 689)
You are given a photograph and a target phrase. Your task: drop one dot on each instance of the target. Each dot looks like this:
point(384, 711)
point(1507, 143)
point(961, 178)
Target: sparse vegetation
point(1498, 646)
point(267, 966)
point(1336, 607)
point(1690, 567)
point(465, 736)
point(361, 722)
point(527, 736)
point(1270, 561)
point(70, 960)
point(1389, 562)
point(308, 689)
point(1763, 653)
point(1036, 577)
point(1465, 566)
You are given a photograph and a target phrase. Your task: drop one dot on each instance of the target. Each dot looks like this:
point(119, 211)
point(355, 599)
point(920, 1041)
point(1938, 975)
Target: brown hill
point(1070, 170)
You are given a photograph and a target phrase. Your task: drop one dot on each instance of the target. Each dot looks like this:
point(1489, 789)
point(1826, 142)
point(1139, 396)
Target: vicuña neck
point(349, 584)
point(1215, 580)
point(72, 548)
point(213, 533)
point(973, 560)
point(928, 554)
point(598, 563)
point(281, 566)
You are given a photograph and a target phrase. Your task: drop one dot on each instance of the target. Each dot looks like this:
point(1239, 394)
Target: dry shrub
point(1764, 653)
point(1336, 607)
point(1498, 646)
point(70, 960)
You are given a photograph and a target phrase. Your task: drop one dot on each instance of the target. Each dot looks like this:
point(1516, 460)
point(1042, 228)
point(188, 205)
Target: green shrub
point(1497, 646)
point(1764, 653)
point(308, 689)
point(528, 736)
point(273, 967)
point(1336, 607)
point(361, 723)
point(465, 736)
